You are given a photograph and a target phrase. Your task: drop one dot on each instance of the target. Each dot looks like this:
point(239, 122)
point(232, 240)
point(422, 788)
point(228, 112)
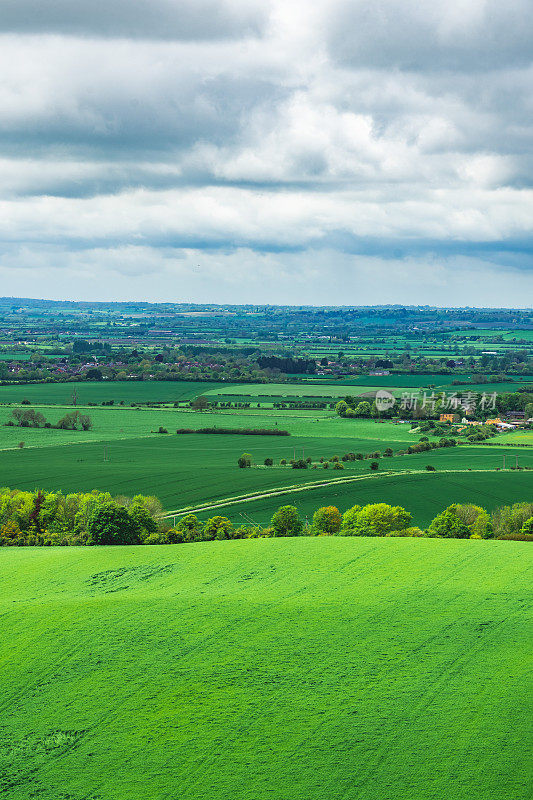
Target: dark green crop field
point(278, 669)
point(423, 494)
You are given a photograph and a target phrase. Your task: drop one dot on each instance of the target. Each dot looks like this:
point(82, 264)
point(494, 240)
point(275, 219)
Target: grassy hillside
point(266, 670)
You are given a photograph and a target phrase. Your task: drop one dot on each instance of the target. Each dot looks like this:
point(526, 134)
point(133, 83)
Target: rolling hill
point(279, 669)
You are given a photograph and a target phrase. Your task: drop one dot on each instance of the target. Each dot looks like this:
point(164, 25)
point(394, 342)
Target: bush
point(286, 522)
point(527, 527)
point(374, 466)
point(111, 524)
point(237, 431)
point(338, 465)
point(414, 531)
point(245, 460)
point(430, 468)
point(269, 462)
point(327, 521)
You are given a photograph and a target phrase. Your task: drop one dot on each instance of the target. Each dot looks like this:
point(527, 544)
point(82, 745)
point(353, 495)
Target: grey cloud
point(441, 34)
point(394, 137)
point(135, 19)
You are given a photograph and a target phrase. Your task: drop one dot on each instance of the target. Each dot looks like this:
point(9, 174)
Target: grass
point(266, 670)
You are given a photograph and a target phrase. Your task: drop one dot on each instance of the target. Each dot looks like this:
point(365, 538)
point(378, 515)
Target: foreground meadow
point(266, 669)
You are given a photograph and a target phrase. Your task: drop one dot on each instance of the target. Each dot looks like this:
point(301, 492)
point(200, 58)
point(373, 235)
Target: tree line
point(29, 418)
point(43, 518)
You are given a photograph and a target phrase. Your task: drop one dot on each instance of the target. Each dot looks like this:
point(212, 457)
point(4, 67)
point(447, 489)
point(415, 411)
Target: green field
point(173, 391)
point(424, 494)
point(124, 454)
point(279, 669)
point(192, 469)
point(87, 392)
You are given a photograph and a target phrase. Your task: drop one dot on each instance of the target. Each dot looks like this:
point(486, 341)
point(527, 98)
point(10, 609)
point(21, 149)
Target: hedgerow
point(237, 431)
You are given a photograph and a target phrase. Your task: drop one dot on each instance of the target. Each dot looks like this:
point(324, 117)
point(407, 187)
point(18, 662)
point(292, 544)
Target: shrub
point(430, 468)
point(245, 460)
point(338, 465)
point(286, 522)
point(269, 462)
point(111, 524)
point(527, 527)
point(327, 521)
point(414, 531)
point(374, 466)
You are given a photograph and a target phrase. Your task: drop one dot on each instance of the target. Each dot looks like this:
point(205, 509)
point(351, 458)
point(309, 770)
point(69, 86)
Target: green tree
point(190, 527)
point(111, 524)
point(327, 521)
point(449, 525)
point(286, 522)
point(510, 519)
point(341, 408)
point(199, 403)
point(147, 525)
point(527, 527)
point(375, 519)
point(218, 528)
point(245, 460)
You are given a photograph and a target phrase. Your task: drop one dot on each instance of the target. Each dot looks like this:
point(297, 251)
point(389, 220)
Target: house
point(516, 416)
point(449, 418)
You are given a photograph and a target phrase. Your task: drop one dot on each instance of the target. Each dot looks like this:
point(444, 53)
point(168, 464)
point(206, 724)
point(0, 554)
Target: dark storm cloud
point(134, 19)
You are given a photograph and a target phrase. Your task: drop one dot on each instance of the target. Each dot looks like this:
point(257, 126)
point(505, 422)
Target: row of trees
point(53, 518)
point(458, 521)
point(95, 518)
point(424, 445)
point(29, 418)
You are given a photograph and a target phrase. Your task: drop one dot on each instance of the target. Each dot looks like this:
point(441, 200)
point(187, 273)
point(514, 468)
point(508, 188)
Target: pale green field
point(517, 437)
point(322, 668)
point(122, 422)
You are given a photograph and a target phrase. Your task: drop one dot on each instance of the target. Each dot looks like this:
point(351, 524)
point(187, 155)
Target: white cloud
point(248, 128)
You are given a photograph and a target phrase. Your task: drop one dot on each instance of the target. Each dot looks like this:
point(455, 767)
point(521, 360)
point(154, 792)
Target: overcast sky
point(269, 151)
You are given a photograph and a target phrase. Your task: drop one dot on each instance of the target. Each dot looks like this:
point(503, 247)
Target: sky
point(340, 152)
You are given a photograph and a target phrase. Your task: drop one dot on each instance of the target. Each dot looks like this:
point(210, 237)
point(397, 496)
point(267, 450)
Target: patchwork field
point(123, 453)
point(188, 470)
point(266, 669)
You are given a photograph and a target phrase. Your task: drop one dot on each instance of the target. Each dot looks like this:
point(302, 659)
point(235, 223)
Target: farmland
point(266, 669)
point(190, 470)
